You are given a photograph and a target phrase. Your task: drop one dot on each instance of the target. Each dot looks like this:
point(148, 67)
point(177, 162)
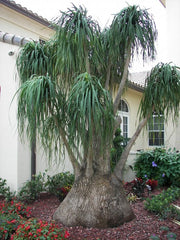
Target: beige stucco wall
point(173, 50)
point(15, 155)
point(172, 132)
point(173, 31)
point(8, 133)
point(57, 164)
point(133, 99)
point(18, 24)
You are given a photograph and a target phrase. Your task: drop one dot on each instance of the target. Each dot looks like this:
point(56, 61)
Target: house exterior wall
point(173, 46)
point(58, 164)
point(18, 24)
point(133, 99)
point(15, 155)
point(172, 133)
point(173, 31)
point(8, 136)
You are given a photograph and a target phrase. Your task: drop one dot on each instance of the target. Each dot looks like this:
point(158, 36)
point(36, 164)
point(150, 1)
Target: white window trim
point(124, 114)
point(155, 131)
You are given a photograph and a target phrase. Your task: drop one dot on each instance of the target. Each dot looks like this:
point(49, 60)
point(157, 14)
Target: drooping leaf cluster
point(59, 93)
point(162, 91)
point(77, 38)
point(36, 58)
point(90, 111)
point(39, 102)
point(136, 28)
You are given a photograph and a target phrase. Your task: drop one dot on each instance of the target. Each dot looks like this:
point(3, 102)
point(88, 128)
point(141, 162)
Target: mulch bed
point(141, 228)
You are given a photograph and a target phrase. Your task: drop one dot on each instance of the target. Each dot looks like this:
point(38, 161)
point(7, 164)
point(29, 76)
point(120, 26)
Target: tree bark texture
point(95, 202)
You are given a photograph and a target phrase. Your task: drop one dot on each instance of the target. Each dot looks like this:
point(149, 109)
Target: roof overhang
point(24, 11)
point(163, 2)
point(135, 86)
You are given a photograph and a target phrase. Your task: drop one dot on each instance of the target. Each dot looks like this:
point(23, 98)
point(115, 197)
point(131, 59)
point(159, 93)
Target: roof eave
point(163, 2)
point(18, 8)
point(135, 86)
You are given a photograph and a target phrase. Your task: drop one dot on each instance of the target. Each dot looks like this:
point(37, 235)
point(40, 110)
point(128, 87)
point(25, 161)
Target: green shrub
point(34, 229)
point(32, 188)
point(159, 164)
point(154, 237)
point(160, 204)
point(119, 143)
point(171, 236)
point(5, 190)
point(60, 184)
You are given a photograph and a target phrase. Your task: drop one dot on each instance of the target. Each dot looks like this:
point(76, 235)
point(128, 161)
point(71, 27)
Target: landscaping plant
point(159, 164)
point(37, 229)
point(11, 215)
point(139, 185)
point(8, 225)
point(14, 207)
point(160, 204)
point(5, 190)
point(32, 188)
point(171, 236)
point(15, 223)
point(119, 143)
point(60, 184)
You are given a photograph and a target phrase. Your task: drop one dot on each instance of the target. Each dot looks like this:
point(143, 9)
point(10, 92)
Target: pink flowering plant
point(11, 215)
point(16, 224)
point(8, 225)
point(37, 229)
point(15, 207)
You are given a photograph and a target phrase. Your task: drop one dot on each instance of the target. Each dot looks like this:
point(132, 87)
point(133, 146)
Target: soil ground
point(142, 227)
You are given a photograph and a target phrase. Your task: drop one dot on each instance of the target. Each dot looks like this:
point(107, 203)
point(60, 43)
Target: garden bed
point(142, 227)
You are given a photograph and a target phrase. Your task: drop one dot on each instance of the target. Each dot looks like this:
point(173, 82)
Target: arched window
point(123, 112)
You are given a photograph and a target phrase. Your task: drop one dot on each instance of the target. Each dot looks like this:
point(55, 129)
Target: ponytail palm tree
point(66, 95)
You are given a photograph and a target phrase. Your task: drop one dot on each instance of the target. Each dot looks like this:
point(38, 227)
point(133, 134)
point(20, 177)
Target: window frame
point(157, 129)
point(124, 114)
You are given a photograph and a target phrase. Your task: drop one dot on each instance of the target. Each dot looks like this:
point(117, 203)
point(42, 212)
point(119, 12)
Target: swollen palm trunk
point(95, 202)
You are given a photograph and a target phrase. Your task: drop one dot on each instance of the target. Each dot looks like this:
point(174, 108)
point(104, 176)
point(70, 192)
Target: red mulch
point(141, 228)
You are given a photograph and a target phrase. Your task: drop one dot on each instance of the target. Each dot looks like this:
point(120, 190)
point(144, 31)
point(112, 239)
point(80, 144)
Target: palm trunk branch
point(108, 77)
point(121, 163)
point(123, 80)
point(72, 158)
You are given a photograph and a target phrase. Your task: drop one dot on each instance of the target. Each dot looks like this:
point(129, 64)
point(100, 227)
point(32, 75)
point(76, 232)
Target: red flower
point(19, 208)
point(66, 234)
point(152, 183)
point(27, 228)
point(13, 221)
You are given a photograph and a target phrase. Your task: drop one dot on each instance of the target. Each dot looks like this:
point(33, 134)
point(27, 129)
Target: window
point(123, 112)
point(156, 130)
